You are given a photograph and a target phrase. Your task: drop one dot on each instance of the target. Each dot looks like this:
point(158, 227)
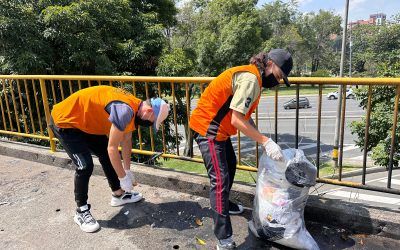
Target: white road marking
point(373, 180)
point(350, 147)
point(365, 197)
point(394, 182)
point(357, 158)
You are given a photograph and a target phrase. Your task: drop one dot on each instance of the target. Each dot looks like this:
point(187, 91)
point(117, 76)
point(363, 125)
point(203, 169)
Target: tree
point(88, 37)
point(209, 37)
point(226, 35)
point(317, 31)
point(178, 63)
point(83, 37)
point(384, 52)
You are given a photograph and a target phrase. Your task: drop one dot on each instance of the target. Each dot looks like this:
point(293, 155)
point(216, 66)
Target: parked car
point(292, 104)
point(335, 95)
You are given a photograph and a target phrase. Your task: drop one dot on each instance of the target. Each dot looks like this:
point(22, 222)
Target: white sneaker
point(85, 220)
point(125, 198)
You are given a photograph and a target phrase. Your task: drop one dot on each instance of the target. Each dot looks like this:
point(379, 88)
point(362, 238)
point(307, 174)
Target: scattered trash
point(200, 241)
point(58, 210)
point(4, 203)
point(126, 213)
point(179, 213)
point(153, 225)
point(198, 222)
point(175, 247)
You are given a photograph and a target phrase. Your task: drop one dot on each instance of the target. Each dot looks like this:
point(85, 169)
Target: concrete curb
point(357, 217)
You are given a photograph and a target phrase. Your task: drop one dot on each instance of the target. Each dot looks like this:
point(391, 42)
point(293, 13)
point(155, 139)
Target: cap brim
point(286, 81)
point(161, 116)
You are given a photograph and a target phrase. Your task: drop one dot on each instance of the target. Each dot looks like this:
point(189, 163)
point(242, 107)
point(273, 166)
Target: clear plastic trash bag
point(281, 196)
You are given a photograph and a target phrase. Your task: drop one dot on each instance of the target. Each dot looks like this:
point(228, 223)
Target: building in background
point(374, 19)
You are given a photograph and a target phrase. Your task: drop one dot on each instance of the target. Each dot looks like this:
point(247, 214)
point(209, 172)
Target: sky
point(358, 9)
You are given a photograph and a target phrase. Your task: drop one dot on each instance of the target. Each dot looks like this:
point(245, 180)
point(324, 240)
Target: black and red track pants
point(220, 162)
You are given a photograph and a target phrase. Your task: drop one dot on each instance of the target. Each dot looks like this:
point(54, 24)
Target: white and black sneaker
point(235, 208)
point(127, 197)
point(226, 244)
point(85, 220)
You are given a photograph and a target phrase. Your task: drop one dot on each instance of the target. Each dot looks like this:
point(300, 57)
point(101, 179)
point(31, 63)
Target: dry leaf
point(200, 241)
point(198, 222)
point(269, 218)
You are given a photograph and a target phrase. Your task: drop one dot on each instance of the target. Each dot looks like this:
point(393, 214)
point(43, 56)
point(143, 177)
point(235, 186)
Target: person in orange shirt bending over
point(98, 120)
point(226, 106)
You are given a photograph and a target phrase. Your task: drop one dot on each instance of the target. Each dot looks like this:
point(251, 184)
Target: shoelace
point(87, 217)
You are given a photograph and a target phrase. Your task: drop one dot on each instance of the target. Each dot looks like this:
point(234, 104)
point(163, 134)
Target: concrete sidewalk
point(36, 207)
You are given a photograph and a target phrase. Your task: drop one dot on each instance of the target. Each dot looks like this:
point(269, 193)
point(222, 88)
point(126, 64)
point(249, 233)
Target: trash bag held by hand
point(281, 195)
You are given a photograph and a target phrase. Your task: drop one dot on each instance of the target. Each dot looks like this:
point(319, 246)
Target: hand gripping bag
point(281, 196)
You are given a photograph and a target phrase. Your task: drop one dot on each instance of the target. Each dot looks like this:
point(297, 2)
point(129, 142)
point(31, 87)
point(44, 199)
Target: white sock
point(84, 207)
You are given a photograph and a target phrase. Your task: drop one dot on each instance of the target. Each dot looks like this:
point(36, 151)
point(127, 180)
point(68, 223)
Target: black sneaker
point(226, 244)
point(85, 220)
point(235, 208)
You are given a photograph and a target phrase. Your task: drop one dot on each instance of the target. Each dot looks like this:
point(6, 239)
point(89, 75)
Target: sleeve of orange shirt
point(245, 91)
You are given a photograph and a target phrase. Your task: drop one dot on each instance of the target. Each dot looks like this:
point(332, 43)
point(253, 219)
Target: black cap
point(284, 60)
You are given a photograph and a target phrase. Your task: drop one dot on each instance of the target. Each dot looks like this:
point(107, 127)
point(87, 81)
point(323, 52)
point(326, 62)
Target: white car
point(334, 95)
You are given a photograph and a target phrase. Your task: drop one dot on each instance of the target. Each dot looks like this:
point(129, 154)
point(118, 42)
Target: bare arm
point(126, 145)
point(115, 138)
point(246, 127)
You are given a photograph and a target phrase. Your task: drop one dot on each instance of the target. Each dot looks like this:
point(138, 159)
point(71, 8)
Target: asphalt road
point(307, 128)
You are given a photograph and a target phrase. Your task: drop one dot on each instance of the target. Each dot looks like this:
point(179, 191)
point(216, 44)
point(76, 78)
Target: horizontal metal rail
point(26, 102)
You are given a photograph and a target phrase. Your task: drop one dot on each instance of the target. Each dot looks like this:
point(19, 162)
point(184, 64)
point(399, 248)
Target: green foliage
point(218, 33)
point(83, 37)
point(377, 54)
point(381, 121)
point(321, 73)
point(107, 37)
point(317, 31)
point(175, 63)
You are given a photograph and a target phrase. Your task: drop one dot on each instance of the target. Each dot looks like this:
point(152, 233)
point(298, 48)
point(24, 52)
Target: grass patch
point(198, 168)
point(326, 169)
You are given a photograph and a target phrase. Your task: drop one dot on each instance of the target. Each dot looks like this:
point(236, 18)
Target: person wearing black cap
point(226, 106)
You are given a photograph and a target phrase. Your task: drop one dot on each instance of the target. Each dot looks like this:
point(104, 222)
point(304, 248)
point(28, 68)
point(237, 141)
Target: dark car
point(303, 103)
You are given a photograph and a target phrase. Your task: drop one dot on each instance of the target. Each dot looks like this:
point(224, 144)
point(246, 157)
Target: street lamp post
point(339, 106)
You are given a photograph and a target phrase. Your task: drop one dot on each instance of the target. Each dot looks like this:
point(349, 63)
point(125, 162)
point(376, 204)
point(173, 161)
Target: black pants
point(79, 146)
point(220, 162)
